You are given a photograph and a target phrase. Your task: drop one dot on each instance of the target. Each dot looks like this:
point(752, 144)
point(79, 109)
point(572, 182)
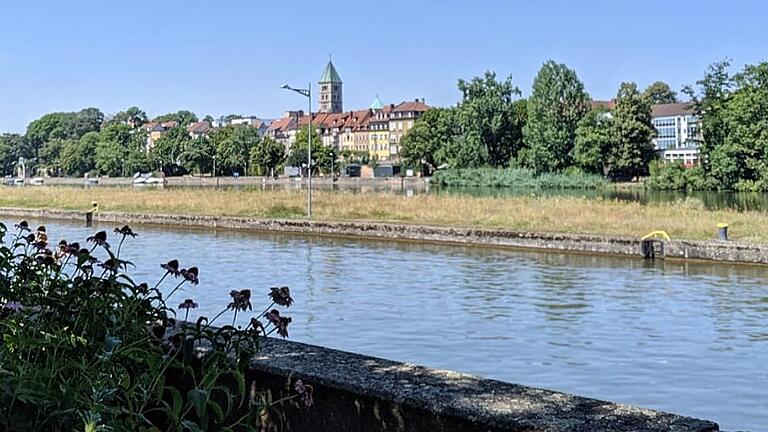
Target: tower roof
point(376, 104)
point(330, 75)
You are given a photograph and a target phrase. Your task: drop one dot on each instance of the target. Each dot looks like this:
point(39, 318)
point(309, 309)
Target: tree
point(198, 155)
point(555, 107)
point(171, 145)
point(740, 160)
point(120, 151)
point(62, 126)
point(12, 148)
point(709, 104)
point(634, 148)
point(133, 117)
point(233, 148)
point(488, 116)
point(78, 156)
point(422, 144)
point(660, 93)
point(183, 117)
point(595, 137)
point(267, 156)
point(322, 157)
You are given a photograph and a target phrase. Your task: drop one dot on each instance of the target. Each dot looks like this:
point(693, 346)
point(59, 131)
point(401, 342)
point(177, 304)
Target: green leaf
point(199, 399)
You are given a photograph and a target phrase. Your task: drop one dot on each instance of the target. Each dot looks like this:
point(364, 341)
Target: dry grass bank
point(682, 220)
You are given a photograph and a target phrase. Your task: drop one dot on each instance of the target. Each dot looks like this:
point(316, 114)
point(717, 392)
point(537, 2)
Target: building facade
point(377, 130)
point(401, 120)
point(678, 133)
point(678, 130)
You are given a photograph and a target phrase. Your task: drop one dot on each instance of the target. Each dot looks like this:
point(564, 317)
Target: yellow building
point(401, 120)
point(378, 130)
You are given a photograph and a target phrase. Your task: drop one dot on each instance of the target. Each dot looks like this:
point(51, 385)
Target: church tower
point(330, 90)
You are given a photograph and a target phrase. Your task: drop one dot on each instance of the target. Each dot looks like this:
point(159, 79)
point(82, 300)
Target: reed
point(685, 219)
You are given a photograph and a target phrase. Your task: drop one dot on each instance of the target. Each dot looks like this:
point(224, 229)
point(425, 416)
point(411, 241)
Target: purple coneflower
point(188, 304)
point(281, 296)
point(125, 231)
point(172, 267)
point(241, 300)
point(99, 239)
point(191, 275)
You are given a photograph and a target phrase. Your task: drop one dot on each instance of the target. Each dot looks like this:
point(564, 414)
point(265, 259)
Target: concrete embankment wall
point(359, 393)
point(377, 182)
point(714, 250)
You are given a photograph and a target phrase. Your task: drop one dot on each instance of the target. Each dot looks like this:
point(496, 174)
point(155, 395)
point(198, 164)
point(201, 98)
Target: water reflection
point(685, 337)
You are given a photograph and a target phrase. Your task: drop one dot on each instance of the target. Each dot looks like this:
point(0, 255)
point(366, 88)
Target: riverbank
point(686, 219)
point(592, 244)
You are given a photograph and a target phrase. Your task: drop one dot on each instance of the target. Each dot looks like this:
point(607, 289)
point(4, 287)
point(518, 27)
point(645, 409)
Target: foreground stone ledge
point(713, 250)
point(359, 393)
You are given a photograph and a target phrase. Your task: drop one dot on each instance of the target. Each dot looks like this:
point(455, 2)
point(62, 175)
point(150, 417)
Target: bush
point(84, 347)
point(518, 177)
point(675, 176)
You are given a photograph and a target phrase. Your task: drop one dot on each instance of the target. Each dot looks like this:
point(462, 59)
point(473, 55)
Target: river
point(685, 337)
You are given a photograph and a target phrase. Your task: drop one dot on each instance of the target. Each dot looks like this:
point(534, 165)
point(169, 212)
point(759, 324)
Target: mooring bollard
point(722, 231)
point(89, 214)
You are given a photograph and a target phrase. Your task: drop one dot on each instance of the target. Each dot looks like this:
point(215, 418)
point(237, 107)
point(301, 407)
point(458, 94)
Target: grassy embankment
point(682, 220)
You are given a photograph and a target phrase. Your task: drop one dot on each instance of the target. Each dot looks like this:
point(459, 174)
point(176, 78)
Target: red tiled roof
point(609, 105)
point(199, 127)
point(416, 105)
point(671, 110)
point(282, 124)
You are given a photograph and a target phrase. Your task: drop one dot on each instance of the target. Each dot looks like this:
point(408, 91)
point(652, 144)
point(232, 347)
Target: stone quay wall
point(713, 250)
point(358, 393)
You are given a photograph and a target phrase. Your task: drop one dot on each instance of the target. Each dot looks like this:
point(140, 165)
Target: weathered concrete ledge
point(359, 393)
point(714, 250)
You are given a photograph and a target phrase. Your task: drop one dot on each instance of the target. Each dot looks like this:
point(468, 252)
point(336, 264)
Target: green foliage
point(133, 116)
point(485, 129)
point(595, 136)
point(734, 126)
point(233, 147)
point(198, 155)
point(660, 93)
point(322, 157)
point(85, 347)
point(13, 147)
point(183, 117)
point(517, 177)
point(169, 148)
point(634, 148)
point(424, 143)
point(47, 133)
point(674, 176)
point(267, 156)
point(489, 118)
point(555, 107)
point(120, 150)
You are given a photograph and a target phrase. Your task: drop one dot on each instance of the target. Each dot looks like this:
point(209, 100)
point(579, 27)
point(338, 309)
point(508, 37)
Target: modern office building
point(678, 132)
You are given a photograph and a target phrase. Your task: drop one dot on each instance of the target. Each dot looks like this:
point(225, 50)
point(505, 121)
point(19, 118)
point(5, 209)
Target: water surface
point(691, 338)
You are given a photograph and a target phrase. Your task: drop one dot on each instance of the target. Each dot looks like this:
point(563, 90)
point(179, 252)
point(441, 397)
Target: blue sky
point(230, 56)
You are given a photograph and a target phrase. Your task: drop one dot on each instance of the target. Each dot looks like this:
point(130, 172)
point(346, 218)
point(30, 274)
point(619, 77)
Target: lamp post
point(307, 92)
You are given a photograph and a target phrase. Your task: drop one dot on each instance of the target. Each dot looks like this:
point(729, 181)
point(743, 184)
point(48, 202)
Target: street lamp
point(308, 94)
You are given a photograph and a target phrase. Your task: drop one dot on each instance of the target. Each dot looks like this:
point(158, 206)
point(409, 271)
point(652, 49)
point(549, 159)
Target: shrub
point(675, 176)
point(518, 177)
point(85, 347)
